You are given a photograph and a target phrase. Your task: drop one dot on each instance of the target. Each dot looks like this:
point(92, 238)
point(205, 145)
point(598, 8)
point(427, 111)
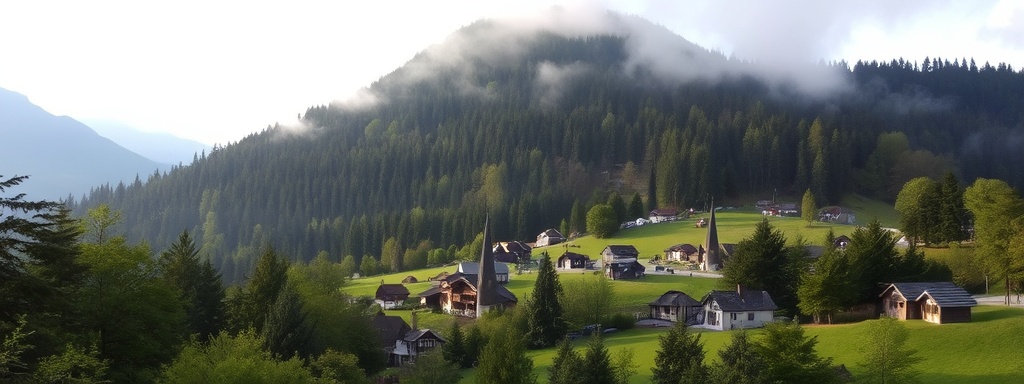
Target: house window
point(750, 316)
point(732, 316)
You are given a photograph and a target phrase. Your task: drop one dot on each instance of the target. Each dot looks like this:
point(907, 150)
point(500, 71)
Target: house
point(413, 344)
point(624, 270)
point(550, 237)
point(682, 252)
point(570, 260)
point(391, 295)
point(512, 252)
point(936, 302)
point(619, 253)
point(390, 329)
point(473, 268)
point(663, 214)
point(742, 308)
point(676, 306)
point(841, 242)
point(472, 294)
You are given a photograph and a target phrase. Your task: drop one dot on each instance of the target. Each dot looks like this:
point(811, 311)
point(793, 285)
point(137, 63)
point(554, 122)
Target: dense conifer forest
point(534, 128)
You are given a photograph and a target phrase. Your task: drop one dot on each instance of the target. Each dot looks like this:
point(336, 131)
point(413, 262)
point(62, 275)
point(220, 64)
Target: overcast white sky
point(214, 71)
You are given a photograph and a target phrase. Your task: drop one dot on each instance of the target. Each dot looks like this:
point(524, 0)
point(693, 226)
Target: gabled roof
point(751, 300)
point(392, 290)
point(622, 250)
point(626, 265)
point(389, 328)
point(512, 247)
point(419, 334)
point(487, 275)
point(473, 268)
point(430, 292)
point(688, 249)
point(675, 299)
point(574, 256)
point(551, 232)
point(664, 212)
point(945, 293)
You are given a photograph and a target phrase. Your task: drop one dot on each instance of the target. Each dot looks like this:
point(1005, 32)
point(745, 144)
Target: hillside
point(61, 155)
point(533, 123)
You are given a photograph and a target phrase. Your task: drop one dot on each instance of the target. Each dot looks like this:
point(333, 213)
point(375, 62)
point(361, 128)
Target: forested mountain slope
point(535, 124)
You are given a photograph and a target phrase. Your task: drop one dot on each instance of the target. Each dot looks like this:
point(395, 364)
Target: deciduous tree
point(601, 221)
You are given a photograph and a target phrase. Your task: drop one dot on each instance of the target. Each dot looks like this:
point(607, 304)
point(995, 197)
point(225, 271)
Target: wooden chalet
point(739, 309)
point(413, 344)
point(682, 252)
point(613, 253)
point(391, 295)
point(936, 302)
point(550, 237)
point(676, 307)
point(389, 330)
point(512, 252)
point(624, 270)
point(473, 268)
point(570, 260)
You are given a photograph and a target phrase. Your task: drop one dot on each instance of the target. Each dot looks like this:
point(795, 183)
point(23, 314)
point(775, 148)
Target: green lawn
point(987, 350)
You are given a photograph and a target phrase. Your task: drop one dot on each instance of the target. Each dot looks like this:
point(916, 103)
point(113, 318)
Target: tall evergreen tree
point(475, 342)
point(618, 206)
point(652, 189)
point(762, 261)
point(547, 325)
point(827, 288)
point(454, 349)
point(259, 295)
point(680, 357)
point(504, 359)
point(596, 367)
point(952, 214)
point(873, 260)
point(285, 331)
point(636, 207)
point(566, 366)
point(198, 284)
point(740, 363)
point(791, 356)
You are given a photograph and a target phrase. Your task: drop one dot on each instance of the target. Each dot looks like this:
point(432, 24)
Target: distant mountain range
point(61, 155)
point(157, 146)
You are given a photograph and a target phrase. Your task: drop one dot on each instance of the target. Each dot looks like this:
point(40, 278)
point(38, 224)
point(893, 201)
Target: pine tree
point(873, 260)
point(740, 363)
point(618, 206)
point(762, 261)
point(791, 356)
point(285, 331)
point(547, 325)
point(952, 212)
point(566, 365)
point(267, 282)
point(680, 357)
point(597, 363)
point(827, 288)
point(454, 349)
point(198, 284)
point(475, 342)
point(504, 359)
point(636, 207)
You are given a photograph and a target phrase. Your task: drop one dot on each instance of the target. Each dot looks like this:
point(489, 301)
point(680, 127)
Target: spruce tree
point(953, 215)
point(740, 363)
point(504, 359)
point(566, 365)
point(791, 356)
point(454, 349)
point(597, 364)
point(636, 208)
point(547, 325)
point(198, 284)
point(285, 331)
point(680, 357)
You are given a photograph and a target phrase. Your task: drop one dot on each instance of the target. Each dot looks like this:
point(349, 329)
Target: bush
point(622, 321)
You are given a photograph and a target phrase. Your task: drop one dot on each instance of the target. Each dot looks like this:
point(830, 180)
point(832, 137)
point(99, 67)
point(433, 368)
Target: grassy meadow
point(985, 350)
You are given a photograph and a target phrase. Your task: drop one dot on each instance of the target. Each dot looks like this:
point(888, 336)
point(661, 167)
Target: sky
point(215, 71)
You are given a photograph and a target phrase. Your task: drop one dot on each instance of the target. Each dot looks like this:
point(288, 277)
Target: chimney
point(739, 290)
point(414, 320)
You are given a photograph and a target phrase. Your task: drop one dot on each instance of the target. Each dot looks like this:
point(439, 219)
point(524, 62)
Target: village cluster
point(476, 287)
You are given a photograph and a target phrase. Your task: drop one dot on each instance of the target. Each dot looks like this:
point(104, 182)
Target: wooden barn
point(676, 306)
point(935, 302)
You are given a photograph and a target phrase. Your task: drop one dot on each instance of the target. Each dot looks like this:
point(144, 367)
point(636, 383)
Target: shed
point(936, 302)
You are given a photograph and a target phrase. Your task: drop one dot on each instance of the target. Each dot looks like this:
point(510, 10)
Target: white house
point(725, 310)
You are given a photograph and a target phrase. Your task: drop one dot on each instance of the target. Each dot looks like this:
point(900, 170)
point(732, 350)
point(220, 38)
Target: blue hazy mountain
point(157, 146)
point(60, 155)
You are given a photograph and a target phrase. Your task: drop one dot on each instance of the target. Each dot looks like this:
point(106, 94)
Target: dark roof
point(389, 328)
point(664, 212)
point(430, 292)
point(486, 279)
point(574, 256)
point(945, 293)
point(623, 250)
point(688, 249)
point(418, 334)
point(551, 233)
point(625, 266)
point(512, 247)
point(731, 301)
point(392, 290)
point(506, 295)
point(473, 268)
point(675, 299)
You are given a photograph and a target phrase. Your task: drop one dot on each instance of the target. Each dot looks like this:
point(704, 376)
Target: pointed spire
point(712, 258)
point(487, 280)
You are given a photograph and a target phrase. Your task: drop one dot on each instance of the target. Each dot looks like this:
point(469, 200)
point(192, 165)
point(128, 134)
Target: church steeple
point(487, 280)
point(712, 249)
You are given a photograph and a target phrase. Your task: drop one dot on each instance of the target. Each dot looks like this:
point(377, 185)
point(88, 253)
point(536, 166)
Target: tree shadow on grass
point(996, 314)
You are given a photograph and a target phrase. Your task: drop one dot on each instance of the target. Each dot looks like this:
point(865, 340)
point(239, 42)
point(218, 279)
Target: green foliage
point(596, 365)
point(566, 366)
point(198, 284)
point(369, 266)
point(475, 342)
point(762, 261)
point(919, 204)
point(454, 349)
point(586, 300)
point(680, 357)
point(887, 359)
point(233, 359)
point(636, 207)
point(285, 330)
point(261, 291)
point(618, 206)
point(953, 215)
point(873, 260)
point(74, 365)
point(430, 368)
point(994, 204)
point(504, 360)
point(791, 356)
point(14, 345)
point(602, 221)
point(546, 322)
point(826, 288)
point(338, 367)
point(391, 256)
point(739, 363)
point(808, 208)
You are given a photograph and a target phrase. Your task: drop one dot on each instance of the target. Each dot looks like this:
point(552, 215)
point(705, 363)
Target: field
point(985, 350)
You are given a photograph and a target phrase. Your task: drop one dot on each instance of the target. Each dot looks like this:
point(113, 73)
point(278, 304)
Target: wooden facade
point(935, 302)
